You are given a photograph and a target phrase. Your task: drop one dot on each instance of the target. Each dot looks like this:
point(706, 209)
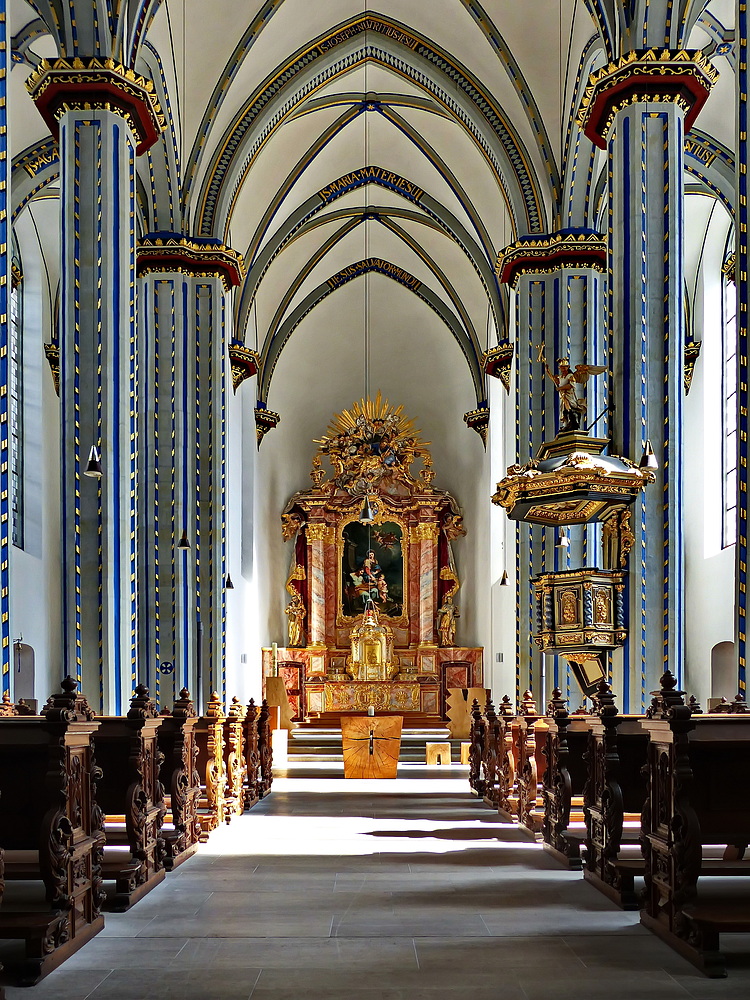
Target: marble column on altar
point(558, 280)
point(316, 536)
point(425, 535)
point(103, 117)
point(638, 108)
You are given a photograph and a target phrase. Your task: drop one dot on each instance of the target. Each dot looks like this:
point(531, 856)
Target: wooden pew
point(131, 797)
point(476, 749)
point(209, 738)
point(491, 754)
point(176, 739)
point(252, 756)
point(613, 797)
point(497, 725)
point(507, 798)
point(564, 782)
point(698, 771)
point(532, 764)
point(51, 829)
point(234, 760)
point(265, 750)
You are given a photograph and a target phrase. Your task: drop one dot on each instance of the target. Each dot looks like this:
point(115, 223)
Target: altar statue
point(572, 406)
point(296, 613)
point(447, 614)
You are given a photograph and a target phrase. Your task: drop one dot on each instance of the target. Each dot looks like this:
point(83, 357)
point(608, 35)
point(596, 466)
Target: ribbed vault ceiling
point(462, 111)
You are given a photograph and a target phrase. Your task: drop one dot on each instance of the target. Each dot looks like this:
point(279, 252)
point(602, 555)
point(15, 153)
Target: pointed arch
point(272, 349)
point(398, 48)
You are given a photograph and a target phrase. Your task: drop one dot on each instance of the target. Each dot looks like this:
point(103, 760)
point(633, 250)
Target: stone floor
point(391, 890)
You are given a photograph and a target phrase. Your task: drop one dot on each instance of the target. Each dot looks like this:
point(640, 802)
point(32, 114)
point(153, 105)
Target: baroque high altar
point(372, 582)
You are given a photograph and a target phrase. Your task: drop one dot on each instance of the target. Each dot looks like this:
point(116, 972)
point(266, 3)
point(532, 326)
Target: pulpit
point(372, 580)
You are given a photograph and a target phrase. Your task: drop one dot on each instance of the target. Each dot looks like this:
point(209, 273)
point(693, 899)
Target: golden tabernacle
point(372, 583)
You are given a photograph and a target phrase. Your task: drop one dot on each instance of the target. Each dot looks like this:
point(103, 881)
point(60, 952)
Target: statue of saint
point(447, 614)
point(296, 614)
point(572, 406)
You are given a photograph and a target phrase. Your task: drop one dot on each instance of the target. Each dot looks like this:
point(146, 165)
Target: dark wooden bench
point(698, 771)
point(476, 749)
point(52, 831)
point(131, 797)
point(209, 739)
point(613, 798)
point(265, 751)
point(531, 736)
point(234, 760)
point(564, 783)
point(252, 756)
point(176, 739)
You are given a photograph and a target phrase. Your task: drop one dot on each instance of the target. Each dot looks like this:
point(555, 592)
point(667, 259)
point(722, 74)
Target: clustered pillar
point(557, 279)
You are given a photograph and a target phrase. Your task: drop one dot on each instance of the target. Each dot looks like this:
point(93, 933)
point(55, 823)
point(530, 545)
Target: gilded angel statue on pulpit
point(572, 406)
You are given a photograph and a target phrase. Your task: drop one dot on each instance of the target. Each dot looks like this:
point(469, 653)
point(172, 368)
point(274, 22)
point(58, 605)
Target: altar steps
point(324, 745)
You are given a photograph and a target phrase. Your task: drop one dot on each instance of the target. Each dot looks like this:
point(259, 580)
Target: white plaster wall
point(35, 584)
point(709, 568)
point(414, 361)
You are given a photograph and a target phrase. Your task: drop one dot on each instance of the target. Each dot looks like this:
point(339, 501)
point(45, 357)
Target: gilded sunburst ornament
point(372, 445)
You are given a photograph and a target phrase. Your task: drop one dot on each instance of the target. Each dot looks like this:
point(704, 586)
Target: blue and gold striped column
point(6, 526)
point(743, 396)
point(183, 290)
point(639, 109)
point(103, 116)
point(558, 283)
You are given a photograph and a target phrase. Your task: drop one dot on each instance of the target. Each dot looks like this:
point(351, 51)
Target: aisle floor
point(390, 890)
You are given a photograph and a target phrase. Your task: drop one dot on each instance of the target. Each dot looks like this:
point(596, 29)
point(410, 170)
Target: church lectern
point(371, 745)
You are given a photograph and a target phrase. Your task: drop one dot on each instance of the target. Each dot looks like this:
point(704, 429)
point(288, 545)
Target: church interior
point(374, 398)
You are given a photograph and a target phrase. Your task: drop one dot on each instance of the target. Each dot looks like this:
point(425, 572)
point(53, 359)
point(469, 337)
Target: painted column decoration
point(558, 280)
point(639, 109)
point(103, 116)
point(6, 526)
point(743, 396)
point(184, 371)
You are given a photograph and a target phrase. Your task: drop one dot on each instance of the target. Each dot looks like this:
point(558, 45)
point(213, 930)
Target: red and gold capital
point(94, 83)
point(656, 76)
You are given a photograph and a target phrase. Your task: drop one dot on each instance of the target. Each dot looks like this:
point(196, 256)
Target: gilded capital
point(319, 532)
point(426, 531)
point(545, 254)
point(656, 76)
point(201, 257)
point(93, 83)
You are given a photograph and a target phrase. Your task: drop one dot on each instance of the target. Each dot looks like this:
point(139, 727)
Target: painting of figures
point(372, 566)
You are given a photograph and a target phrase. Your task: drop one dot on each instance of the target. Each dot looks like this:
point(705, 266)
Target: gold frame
point(384, 514)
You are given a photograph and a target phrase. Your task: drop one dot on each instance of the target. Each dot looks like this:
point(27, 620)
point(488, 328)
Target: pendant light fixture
point(648, 458)
point(183, 542)
point(94, 465)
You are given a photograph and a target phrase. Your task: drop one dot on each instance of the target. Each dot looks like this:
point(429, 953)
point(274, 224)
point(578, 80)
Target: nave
point(386, 890)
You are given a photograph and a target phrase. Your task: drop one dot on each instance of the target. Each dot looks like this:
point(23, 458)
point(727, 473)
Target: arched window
point(729, 397)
